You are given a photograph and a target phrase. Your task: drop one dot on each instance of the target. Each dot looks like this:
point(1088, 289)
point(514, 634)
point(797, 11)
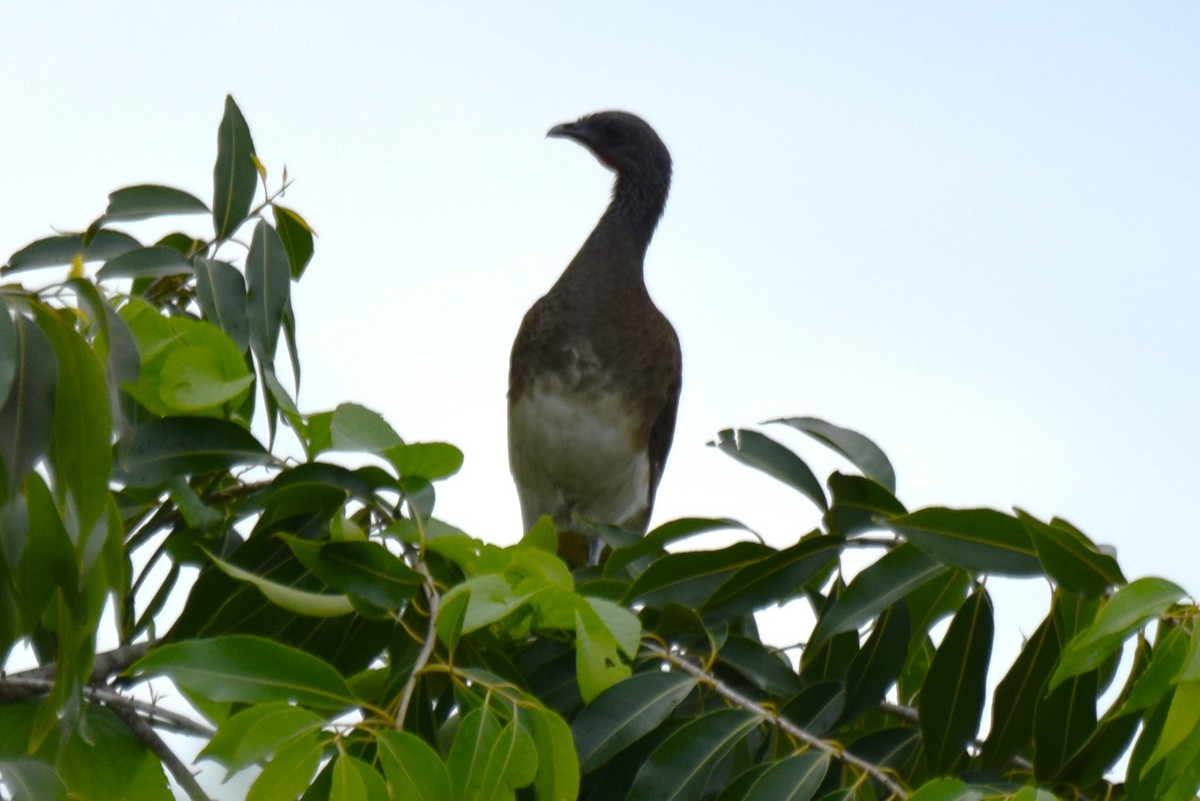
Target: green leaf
point(950, 715)
point(148, 200)
point(478, 734)
point(1070, 558)
point(975, 539)
point(355, 779)
point(290, 772)
point(81, 445)
point(679, 768)
point(490, 599)
point(626, 712)
point(28, 780)
point(655, 541)
point(297, 238)
point(1130, 608)
point(862, 452)
point(1063, 721)
point(795, 778)
point(356, 428)
point(312, 604)
point(512, 763)
point(878, 663)
point(945, 790)
point(221, 292)
point(268, 290)
point(1172, 652)
point(8, 351)
point(859, 504)
point(413, 769)
point(151, 262)
point(1017, 695)
point(557, 777)
point(1182, 722)
point(235, 177)
point(254, 734)
point(27, 417)
point(598, 664)
point(773, 579)
point(691, 577)
point(248, 669)
point(762, 452)
point(622, 624)
point(162, 449)
point(62, 251)
point(363, 569)
point(896, 574)
point(427, 460)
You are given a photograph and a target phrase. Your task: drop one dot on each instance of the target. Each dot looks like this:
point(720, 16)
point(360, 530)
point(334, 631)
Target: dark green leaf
point(1070, 558)
point(945, 790)
point(679, 768)
point(413, 769)
point(61, 251)
point(301, 602)
point(364, 569)
point(764, 667)
point(975, 539)
point(878, 663)
point(1063, 721)
point(773, 579)
point(297, 237)
point(27, 418)
point(859, 504)
point(151, 262)
point(1017, 696)
point(28, 780)
point(356, 428)
point(268, 290)
point(148, 200)
point(817, 708)
point(235, 178)
point(626, 712)
point(8, 351)
point(950, 714)
point(1171, 654)
point(221, 292)
point(862, 452)
point(760, 451)
point(248, 669)
point(162, 449)
point(690, 577)
point(933, 600)
point(795, 778)
point(900, 571)
point(655, 541)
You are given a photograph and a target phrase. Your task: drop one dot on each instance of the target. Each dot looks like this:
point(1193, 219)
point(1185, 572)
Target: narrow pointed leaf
point(859, 504)
point(235, 177)
point(8, 352)
point(679, 768)
point(297, 238)
point(557, 777)
point(1070, 558)
point(221, 292)
point(975, 539)
point(796, 778)
point(255, 733)
point(290, 773)
point(896, 574)
point(625, 713)
point(950, 714)
point(151, 262)
point(248, 669)
point(364, 569)
point(162, 449)
point(467, 761)
point(61, 251)
point(312, 604)
point(862, 452)
point(1017, 696)
point(1063, 721)
point(655, 541)
point(1125, 612)
point(877, 665)
point(149, 200)
point(268, 289)
point(27, 417)
point(760, 451)
point(413, 769)
point(690, 577)
point(774, 578)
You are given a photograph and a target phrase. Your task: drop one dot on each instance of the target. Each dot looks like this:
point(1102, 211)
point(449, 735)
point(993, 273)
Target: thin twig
point(687, 666)
point(27, 686)
point(106, 664)
point(146, 733)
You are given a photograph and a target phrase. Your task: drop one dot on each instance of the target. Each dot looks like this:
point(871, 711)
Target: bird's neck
point(637, 205)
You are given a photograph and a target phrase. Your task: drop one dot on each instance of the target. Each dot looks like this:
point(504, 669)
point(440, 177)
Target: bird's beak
point(568, 130)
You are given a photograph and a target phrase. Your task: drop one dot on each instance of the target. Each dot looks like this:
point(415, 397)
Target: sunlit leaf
point(255, 733)
point(413, 769)
point(290, 772)
point(557, 777)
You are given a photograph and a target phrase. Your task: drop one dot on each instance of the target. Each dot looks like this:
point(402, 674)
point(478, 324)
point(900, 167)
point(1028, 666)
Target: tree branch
point(734, 696)
point(146, 733)
point(27, 683)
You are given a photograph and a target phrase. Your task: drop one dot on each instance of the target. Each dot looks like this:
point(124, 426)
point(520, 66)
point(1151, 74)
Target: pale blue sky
point(971, 232)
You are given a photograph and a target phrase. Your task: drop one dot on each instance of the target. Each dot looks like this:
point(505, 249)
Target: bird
point(596, 368)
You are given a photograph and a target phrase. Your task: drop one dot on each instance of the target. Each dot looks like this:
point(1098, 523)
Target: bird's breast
point(573, 449)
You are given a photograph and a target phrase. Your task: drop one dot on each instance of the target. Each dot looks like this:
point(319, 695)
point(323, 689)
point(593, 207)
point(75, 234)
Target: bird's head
point(623, 142)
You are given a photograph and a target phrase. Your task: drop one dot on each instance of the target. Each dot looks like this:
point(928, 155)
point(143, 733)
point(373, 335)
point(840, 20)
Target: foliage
point(343, 637)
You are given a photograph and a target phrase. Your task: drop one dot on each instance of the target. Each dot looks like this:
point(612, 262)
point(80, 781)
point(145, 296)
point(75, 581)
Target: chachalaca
point(596, 368)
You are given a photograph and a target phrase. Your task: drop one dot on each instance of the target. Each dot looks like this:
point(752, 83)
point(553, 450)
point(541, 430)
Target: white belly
point(572, 455)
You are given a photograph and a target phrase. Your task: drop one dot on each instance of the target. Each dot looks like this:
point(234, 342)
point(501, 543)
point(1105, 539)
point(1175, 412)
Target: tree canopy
point(171, 518)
